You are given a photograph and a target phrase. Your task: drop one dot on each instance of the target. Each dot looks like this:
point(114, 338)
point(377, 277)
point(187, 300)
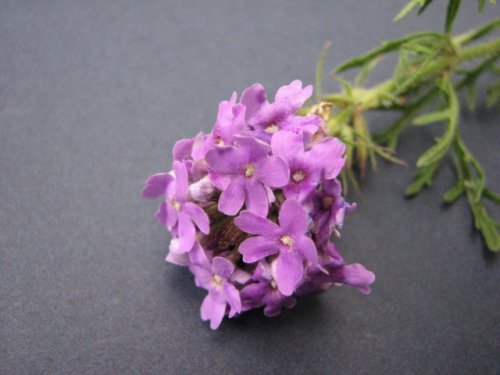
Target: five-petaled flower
point(288, 240)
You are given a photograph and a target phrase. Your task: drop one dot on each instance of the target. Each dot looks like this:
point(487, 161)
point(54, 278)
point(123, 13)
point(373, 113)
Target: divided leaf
point(423, 7)
point(432, 117)
point(451, 14)
point(407, 9)
point(487, 226)
point(454, 193)
point(385, 47)
point(443, 143)
point(422, 179)
point(493, 93)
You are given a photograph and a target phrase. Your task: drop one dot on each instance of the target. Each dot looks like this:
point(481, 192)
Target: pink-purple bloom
point(252, 206)
point(250, 172)
point(288, 240)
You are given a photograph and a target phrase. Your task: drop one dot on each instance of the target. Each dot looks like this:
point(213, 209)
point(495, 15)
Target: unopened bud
point(201, 190)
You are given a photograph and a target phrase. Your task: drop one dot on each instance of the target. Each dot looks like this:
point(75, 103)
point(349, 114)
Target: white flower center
point(175, 204)
point(219, 141)
point(271, 128)
point(298, 175)
point(287, 241)
point(273, 284)
point(249, 170)
point(217, 280)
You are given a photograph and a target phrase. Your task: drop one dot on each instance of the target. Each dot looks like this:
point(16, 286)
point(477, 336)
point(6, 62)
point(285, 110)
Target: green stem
point(374, 97)
point(489, 48)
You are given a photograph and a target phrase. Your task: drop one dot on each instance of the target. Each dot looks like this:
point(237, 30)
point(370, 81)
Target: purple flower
point(355, 275)
point(288, 240)
point(307, 167)
point(282, 169)
point(187, 151)
point(267, 118)
point(330, 209)
point(176, 211)
point(250, 174)
point(215, 277)
point(263, 291)
point(230, 122)
point(332, 270)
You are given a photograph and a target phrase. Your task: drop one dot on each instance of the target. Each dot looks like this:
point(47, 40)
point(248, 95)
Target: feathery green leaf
point(407, 9)
point(451, 14)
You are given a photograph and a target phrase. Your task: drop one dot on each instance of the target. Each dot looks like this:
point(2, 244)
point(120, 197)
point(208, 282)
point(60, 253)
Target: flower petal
point(156, 185)
point(240, 277)
point(253, 98)
point(306, 247)
point(226, 160)
point(213, 311)
point(166, 215)
point(256, 199)
point(232, 199)
point(254, 148)
point(187, 233)
point(230, 121)
point(203, 278)
point(252, 295)
point(273, 171)
point(294, 94)
point(292, 217)
point(254, 224)
point(307, 124)
point(288, 144)
point(358, 276)
point(197, 215)
point(181, 180)
point(232, 297)
point(335, 149)
point(256, 248)
point(198, 256)
point(275, 302)
point(222, 267)
point(289, 272)
point(182, 149)
point(178, 259)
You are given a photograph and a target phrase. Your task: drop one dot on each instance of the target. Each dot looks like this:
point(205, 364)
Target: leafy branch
point(431, 69)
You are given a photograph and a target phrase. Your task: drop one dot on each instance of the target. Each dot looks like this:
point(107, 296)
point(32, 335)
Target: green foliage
point(319, 69)
point(451, 14)
point(471, 180)
point(493, 95)
point(385, 48)
point(470, 79)
point(478, 33)
point(431, 69)
point(422, 179)
point(482, 3)
point(408, 8)
point(443, 143)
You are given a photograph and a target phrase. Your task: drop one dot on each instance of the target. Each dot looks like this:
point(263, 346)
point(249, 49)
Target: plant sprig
point(431, 69)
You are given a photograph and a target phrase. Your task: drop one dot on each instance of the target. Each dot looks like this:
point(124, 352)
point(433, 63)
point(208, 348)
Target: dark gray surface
point(92, 97)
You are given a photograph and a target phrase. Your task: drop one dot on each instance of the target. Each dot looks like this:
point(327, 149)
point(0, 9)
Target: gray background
point(93, 94)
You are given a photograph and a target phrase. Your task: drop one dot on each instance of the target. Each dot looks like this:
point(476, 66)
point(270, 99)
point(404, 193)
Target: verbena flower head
point(252, 207)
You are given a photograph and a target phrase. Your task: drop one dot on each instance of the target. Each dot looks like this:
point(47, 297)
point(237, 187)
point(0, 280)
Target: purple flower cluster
point(252, 206)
